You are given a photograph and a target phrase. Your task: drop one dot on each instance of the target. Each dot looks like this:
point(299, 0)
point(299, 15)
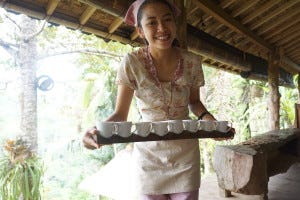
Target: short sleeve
point(125, 74)
point(198, 77)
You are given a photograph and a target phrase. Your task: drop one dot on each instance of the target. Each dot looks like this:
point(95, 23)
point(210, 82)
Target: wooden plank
point(115, 25)
point(266, 6)
point(243, 8)
point(287, 38)
point(134, 35)
point(51, 6)
point(279, 20)
point(223, 17)
point(285, 33)
point(169, 136)
point(89, 11)
point(274, 13)
point(283, 27)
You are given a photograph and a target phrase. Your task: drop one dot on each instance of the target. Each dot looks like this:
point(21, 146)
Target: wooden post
point(273, 104)
point(298, 86)
point(181, 24)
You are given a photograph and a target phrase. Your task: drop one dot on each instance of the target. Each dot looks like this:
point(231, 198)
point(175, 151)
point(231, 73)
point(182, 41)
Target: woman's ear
point(140, 32)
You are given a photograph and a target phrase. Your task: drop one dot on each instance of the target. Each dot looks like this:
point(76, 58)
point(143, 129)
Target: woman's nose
point(161, 26)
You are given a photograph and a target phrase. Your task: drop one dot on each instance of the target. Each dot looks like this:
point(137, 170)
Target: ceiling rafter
point(250, 17)
point(290, 47)
point(51, 6)
point(217, 25)
point(283, 27)
point(243, 8)
point(115, 24)
point(226, 19)
point(290, 37)
point(226, 3)
point(86, 15)
point(271, 15)
point(134, 35)
point(263, 8)
point(280, 19)
point(285, 33)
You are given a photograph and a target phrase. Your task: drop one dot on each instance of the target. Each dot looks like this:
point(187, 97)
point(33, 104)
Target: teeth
point(163, 37)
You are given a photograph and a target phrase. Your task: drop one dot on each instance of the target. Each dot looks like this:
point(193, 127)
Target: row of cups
point(161, 128)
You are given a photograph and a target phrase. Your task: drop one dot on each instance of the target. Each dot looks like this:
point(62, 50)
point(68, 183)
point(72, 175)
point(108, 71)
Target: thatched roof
point(235, 35)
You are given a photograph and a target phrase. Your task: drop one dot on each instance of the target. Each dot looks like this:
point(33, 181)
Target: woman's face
point(157, 25)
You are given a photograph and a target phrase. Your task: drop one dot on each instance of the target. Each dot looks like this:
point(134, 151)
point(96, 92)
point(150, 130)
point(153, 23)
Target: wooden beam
point(226, 3)
point(289, 47)
point(283, 27)
point(266, 6)
point(134, 35)
point(89, 11)
point(223, 17)
point(192, 11)
point(295, 56)
point(286, 17)
point(285, 33)
point(242, 43)
point(274, 13)
point(274, 97)
point(289, 64)
point(116, 8)
point(225, 35)
point(51, 6)
point(217, 25)
point(181, 24)
point(289, 37)
point(244, 7)
point(115, 25)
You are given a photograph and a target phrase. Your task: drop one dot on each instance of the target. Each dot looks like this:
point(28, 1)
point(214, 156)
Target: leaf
point(26, 181)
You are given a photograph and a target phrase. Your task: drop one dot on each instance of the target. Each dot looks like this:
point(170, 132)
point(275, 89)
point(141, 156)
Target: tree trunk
point(27, 59)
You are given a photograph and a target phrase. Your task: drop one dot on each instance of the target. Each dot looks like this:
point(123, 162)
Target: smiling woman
point(165, 80)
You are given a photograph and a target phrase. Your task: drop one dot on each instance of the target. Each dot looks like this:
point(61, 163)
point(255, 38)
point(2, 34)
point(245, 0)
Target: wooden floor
point(281, 187)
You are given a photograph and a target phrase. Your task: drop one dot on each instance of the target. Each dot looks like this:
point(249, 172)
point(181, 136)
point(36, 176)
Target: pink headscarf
point(131, 15)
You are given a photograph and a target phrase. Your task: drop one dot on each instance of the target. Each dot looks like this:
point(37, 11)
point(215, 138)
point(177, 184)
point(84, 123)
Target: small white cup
point(142, 129)
point(175, 126)
point(223, 126)
point(106, 129)
point(160, 128)
point(123, 129)
point(190, 125)
point(207, 125)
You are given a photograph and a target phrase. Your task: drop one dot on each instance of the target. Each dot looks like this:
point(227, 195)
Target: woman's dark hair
point(140, 12)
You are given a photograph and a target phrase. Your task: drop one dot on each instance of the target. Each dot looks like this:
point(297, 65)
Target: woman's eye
point(151, 23)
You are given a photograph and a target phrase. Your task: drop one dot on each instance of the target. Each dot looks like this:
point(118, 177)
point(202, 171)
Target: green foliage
point(287, 106)
point(20, 175)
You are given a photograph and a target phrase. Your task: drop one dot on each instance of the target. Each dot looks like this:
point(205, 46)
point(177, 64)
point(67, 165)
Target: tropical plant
point(20, 171)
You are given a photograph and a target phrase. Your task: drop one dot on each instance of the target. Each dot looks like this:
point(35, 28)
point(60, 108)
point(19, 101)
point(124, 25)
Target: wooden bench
point(245, 168)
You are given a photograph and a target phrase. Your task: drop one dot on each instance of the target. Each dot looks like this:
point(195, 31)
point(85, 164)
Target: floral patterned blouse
point(163, 167)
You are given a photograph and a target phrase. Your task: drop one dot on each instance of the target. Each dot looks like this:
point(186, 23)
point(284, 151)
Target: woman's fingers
point(90, 139)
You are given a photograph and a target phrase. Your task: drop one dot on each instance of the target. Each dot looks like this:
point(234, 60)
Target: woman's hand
point(90, 139)
point(232, 130)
